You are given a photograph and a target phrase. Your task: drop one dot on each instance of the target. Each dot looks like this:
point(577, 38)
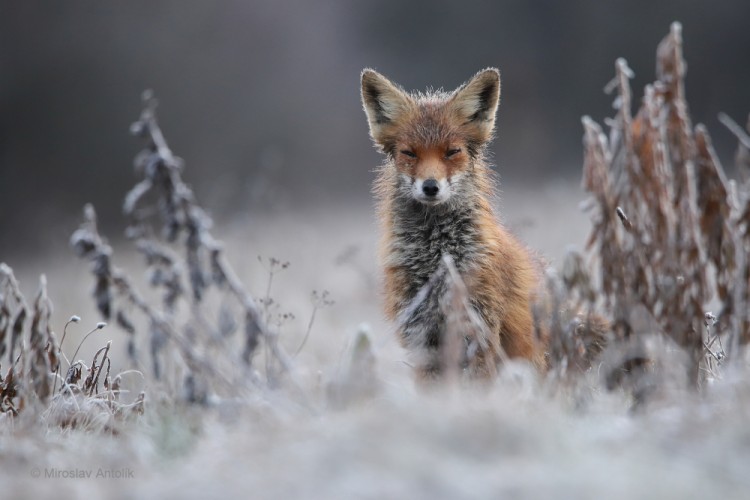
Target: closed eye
point(452, 152)
point(408, 153)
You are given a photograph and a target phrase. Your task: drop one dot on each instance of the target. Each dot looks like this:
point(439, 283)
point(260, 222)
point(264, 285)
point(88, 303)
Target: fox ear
point(476, 103)
point(384, 104)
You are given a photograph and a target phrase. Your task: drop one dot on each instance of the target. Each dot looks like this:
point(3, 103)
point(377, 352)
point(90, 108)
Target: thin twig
point(98, 326)
point(735, 129)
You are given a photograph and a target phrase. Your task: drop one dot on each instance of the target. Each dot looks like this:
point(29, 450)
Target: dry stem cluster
point(670, 231)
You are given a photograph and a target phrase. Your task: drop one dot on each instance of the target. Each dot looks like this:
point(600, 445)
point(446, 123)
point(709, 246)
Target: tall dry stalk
point(187, 264)
point(670, 231)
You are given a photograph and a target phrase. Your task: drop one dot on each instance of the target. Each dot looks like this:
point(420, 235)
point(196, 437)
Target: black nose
point(430, 187)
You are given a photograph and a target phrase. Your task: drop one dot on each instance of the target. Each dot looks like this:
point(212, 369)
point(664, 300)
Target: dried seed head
point(710, 319)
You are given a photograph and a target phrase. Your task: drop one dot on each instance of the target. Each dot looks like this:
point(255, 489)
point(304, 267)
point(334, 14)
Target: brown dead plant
point(670, 230)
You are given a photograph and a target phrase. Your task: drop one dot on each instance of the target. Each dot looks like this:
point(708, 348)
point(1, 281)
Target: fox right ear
point(384, 104)
point(475, 103)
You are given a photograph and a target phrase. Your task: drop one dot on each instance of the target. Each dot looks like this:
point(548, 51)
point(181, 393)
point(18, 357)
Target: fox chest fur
point(420, 238)
point(414, 251)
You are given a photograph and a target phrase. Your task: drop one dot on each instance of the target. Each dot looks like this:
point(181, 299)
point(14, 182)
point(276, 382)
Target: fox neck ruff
point(418, 235)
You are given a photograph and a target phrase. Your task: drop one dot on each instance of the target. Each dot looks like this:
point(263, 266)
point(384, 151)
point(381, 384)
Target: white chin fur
point(443, 194)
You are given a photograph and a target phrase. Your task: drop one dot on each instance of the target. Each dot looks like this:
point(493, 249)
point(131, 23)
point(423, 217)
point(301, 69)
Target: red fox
point(434, 195)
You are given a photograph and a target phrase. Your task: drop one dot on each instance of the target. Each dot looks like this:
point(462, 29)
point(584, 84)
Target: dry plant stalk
point(186, 252)
point(570, 320)
point(670, 232)
point(464, 350)
point(88, 244)
point(81, 404)
point(31, 346)
point(34, 365)
point(466, 334)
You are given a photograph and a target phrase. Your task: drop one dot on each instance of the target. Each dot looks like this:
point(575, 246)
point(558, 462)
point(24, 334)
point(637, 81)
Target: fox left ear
point(476, 103)
point(385, 104)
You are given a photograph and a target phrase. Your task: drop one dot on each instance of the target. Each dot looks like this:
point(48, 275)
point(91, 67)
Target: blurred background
point(261, 98)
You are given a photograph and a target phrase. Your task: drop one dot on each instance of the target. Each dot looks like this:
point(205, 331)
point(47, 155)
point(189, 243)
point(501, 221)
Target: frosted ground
point(521, 438)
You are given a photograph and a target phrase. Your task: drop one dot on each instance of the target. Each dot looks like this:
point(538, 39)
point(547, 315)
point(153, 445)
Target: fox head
point(433, 140)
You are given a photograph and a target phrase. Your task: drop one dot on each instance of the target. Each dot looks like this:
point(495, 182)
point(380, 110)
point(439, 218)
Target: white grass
point(520, 438)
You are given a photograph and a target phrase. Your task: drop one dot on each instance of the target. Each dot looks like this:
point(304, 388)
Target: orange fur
point(442, 137)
